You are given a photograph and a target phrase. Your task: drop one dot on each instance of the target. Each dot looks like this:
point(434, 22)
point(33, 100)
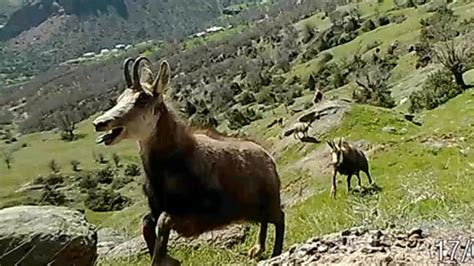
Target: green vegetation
point(424, 172)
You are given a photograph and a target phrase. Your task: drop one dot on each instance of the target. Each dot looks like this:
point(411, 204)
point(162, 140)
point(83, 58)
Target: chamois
point(194, 182)
point(347, 160)
point(297, 129)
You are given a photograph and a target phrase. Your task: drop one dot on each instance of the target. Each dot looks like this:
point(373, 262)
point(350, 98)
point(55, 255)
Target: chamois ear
point(162, 79)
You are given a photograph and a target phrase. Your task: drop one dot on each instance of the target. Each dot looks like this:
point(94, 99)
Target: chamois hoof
point(168, 261)
point(255, 251)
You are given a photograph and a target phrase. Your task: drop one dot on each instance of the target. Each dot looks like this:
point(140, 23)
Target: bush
point(246, 97)
point(88, 181)
point(240, 118)
point(368, 25)
point(399, 18)
point(54, 166)
point(50, 180)
point(438, 89)
point(132, 170)
point(116, 159)
point(99, 158)
point(383, 20)
point(103, 200)
point(105, 175)
point(75, 165)
point(119, 183)
point(52, 196)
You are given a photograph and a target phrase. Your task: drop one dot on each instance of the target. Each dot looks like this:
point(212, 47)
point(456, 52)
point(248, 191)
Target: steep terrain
point(49, 32)
point(245, 79)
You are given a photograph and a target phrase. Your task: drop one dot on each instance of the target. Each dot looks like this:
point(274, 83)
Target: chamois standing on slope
point(349, 161)
point(194, 182)
point(297, 129)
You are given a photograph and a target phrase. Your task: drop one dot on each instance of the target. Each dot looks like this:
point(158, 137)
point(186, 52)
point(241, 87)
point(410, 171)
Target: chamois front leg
point(333, 188)
point(148, 231)
point(160, 256)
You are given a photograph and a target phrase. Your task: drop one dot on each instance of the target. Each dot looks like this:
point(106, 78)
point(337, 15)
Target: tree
point(66, 122)
point(7, 157)
point(372, 81)
point(449, 48)
point(455, 56)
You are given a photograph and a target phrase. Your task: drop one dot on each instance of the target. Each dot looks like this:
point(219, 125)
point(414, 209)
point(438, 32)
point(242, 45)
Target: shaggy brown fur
point(349, 161)
point(199, 182)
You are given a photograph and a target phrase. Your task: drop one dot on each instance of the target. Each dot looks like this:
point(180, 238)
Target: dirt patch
point(360, 246)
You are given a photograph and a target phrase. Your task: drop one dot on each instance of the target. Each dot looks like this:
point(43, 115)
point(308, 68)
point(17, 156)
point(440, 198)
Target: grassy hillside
point(424, 172)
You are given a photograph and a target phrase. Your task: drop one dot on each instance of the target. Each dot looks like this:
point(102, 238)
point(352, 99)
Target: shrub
point(52, 196)
point(88, 181)
point(54, 166)
point(246, 97)
point(116, 159)
point(75, 165)
point(438, 89)
point(132, 170)
point(240, 118)
point(99, 158)
point(119, 183)
point(103, 200)
point(383, 20)
point(368, 25)
point(50, 180)
point(105, 175)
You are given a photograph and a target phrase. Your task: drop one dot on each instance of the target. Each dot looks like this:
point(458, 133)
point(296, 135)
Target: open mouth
point(110, 136)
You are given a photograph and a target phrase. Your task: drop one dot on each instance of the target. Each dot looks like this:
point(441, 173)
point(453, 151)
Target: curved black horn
point(135, 75)
point(126, 71)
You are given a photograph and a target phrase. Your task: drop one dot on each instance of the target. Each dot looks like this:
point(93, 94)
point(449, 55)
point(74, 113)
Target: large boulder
point(39, 235)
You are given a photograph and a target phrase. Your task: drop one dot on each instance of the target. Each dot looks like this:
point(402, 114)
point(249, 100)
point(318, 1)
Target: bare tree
point(372, 81)
point(7, 156)
point(455, 55)
point(66, 122)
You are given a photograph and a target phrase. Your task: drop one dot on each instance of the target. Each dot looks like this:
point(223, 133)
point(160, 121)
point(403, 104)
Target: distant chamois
point(299, 130)
point(347, 160)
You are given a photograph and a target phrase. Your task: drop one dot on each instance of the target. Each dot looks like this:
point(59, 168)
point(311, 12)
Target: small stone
point(375, 243)
point(314, 239)
point(345, 232)
point(401, 236)
point(323, 248)
point(400, 244)
point(370, 250)
point(292, 249)
point(378, 234)
point(412, 244)
point(388, 129)
point(344, 240)
point(415, 231)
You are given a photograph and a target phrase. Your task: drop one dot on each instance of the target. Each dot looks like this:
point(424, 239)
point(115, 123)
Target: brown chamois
point(347, 160)
point(194, 182)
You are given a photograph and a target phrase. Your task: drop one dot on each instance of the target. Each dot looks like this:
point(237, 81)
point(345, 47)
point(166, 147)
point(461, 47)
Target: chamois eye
point(143, 99)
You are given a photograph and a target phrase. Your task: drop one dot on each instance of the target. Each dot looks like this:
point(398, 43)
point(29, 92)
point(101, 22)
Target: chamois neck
point(170, 135)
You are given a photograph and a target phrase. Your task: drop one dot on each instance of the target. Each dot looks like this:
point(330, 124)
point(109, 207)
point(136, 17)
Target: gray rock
point(38, 235)
point(107, 240)
point(388, 129)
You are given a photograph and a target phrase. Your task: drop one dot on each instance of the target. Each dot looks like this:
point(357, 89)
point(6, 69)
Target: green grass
point(419, 185)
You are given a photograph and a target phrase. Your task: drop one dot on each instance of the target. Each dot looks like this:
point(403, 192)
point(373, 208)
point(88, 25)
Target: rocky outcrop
point(360, 246)
point(38, 235)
